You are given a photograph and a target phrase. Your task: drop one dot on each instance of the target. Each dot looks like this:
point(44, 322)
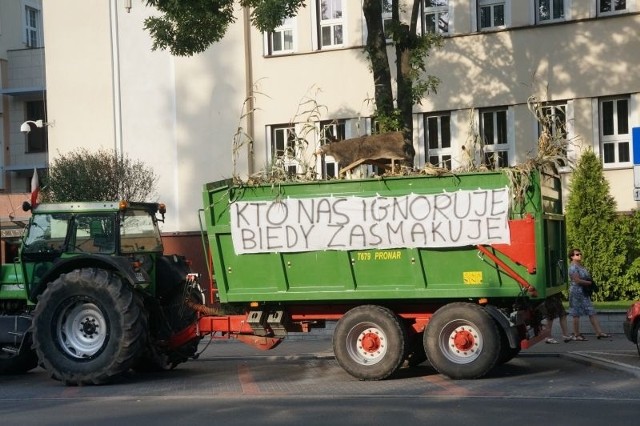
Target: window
point(491, 14)
point(37, 138)
point(283, 148)
point(493, 130)
point(437, 139)
point(281, 39)
point(46, 232)
point(554, 117)
point(31, 27)
point(606, 7)
point(549, 11)
point(553, 121)
point(331, 131)
point(94, 234)
point(386, 16)
point(138, 232)
point(436, 16)
point(331, 22)
point(614, 132)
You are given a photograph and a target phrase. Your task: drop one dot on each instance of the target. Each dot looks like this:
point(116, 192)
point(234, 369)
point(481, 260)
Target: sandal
point(603, 336)
point(567, 339)
point(551, 340)
point(580, 338)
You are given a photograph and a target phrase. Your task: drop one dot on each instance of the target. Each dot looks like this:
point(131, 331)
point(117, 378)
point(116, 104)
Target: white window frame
point(616, 140)
point(571, 152)
point(552, 109)
point(489, 147)
point(386, 17)
point(492, 3)
point(438, 11)
point(328, 159)
point(29, 31)
point(565, 10)
point(289, 158)
point(443, 153)
point(628, 8)
point(333, 23)
point(353, 127)
point(289, 24)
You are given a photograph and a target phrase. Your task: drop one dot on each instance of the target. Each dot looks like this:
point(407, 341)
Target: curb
point(588, 358)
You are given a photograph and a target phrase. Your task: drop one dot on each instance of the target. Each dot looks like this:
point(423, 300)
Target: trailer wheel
point(18, 360)
point(89, 327)
point(462, 341)
point(369, 342)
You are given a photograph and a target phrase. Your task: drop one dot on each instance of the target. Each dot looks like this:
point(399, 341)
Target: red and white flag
point(35, 188)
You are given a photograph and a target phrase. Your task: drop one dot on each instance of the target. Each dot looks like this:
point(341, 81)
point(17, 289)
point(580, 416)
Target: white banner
point(449, 219)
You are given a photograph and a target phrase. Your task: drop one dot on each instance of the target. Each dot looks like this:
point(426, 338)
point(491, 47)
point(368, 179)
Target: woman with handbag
point(580, 290)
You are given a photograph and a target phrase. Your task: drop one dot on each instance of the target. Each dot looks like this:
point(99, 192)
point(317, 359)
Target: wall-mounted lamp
point(26, 128)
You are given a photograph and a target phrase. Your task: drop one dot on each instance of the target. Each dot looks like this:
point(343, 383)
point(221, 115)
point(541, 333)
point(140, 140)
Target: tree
point(411, 50)
point(593, 227)
point(628, 285)
point(101, 176)
point(190, 27)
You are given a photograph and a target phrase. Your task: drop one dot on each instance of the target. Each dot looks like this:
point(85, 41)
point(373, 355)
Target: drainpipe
point(248, 74)
point(115, 79)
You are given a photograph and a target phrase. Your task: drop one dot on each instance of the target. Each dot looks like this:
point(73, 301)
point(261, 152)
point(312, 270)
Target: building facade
point(22, 99)
point(22, 86)
point(192, 119)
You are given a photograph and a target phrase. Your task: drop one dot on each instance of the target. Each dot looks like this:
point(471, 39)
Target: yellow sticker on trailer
point(472, 277)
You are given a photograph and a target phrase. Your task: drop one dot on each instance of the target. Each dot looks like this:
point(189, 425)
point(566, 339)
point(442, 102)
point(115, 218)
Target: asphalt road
point(300, 382)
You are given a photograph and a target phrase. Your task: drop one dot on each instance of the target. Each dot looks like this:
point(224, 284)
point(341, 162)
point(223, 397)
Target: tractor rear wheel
point(369, 342)
point(170, 318)
point(89, 327)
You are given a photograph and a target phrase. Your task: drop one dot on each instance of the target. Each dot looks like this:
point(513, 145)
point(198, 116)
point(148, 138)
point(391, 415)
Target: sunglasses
point(577, 254)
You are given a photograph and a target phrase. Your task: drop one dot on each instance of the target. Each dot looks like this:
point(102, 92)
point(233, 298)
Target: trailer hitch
point(510, 272)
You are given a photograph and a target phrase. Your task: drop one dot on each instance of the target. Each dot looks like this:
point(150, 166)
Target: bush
point(609, 242)
point(81, 175)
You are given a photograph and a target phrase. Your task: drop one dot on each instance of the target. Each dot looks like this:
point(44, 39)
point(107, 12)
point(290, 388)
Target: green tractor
point(91, 294)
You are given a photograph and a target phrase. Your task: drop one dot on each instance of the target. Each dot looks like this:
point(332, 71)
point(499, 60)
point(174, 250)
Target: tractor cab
point(67, 233)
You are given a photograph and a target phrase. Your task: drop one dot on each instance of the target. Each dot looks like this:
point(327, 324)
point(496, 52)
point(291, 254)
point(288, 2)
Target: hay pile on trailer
point(393, 160)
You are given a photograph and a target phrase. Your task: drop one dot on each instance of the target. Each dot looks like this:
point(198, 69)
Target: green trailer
point(453, 269)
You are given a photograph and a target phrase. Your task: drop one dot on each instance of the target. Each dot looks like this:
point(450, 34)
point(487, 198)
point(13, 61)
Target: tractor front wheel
point(89, 327)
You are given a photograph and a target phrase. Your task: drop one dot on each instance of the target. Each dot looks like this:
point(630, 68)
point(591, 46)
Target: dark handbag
point(588, 290)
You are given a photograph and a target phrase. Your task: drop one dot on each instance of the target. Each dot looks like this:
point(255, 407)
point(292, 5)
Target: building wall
point(12, 24)
point(581, 60)
point(180, 115)
point(111, 91)
point(26, 69)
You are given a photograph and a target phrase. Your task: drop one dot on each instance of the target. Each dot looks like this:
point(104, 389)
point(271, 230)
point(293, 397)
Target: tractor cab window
point(139, 233)
point(93, 234)
point(46, 233)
